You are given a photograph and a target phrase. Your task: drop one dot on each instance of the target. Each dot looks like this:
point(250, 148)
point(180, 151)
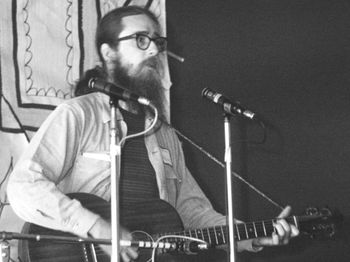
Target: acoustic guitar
point(150, 220)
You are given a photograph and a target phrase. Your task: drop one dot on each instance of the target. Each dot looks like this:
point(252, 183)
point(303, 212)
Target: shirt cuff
point(82, 220)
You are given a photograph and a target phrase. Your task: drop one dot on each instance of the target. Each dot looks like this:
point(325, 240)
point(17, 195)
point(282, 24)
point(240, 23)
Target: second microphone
point(233, 108)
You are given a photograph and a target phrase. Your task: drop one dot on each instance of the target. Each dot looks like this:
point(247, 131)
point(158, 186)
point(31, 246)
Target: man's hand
point(102, 229)
point(284, 232)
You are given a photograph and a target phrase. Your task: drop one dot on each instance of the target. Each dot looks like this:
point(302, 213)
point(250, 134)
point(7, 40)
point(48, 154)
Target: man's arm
point(32, 187)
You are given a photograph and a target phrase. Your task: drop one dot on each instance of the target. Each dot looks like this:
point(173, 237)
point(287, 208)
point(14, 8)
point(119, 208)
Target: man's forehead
point(139, 23)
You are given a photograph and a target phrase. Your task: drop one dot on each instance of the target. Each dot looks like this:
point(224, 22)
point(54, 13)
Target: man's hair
point(110, 25)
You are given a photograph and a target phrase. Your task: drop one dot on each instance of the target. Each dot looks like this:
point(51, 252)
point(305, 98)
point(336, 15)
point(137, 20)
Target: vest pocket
point(172, 180)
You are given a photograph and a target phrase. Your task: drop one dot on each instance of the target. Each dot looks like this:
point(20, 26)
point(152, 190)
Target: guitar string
point(248, 230)
point(203, 235)
point(241, 229)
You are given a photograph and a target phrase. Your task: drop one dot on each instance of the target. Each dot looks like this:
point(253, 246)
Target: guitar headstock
point(320, 222)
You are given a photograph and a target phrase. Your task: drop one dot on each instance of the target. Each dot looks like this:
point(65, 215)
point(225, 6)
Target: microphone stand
point(115, 156)
point(228, 161)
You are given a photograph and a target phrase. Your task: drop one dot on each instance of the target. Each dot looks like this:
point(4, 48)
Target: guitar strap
point(240, 178)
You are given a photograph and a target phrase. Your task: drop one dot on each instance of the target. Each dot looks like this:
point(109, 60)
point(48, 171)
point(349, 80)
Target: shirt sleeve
point(32, 188)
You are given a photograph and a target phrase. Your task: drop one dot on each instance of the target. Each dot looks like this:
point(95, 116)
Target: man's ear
point(107, 52)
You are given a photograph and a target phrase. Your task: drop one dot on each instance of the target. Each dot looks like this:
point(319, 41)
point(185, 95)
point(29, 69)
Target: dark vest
point(138, 180)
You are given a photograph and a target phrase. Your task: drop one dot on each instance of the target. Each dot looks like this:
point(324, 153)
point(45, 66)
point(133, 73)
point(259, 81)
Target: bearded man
point(129, 43)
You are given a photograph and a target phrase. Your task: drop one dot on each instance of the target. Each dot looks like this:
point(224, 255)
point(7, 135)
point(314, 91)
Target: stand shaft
point(228, 161)
point(115, 155)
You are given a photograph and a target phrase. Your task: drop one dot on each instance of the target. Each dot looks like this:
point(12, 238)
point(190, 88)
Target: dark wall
point(289, 61)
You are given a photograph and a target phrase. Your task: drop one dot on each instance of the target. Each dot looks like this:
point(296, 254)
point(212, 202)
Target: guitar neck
point(264, 228)
point(219, 235)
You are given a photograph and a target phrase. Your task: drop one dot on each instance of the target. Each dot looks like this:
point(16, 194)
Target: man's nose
point(152, 49)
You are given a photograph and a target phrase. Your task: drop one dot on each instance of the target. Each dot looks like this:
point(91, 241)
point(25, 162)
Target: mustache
point(153, 62)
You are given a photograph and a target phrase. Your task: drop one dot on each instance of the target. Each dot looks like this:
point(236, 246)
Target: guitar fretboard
point(218, 235)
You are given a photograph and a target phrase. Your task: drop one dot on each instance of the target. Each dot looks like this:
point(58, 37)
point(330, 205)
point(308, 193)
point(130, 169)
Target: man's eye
point(143, 40)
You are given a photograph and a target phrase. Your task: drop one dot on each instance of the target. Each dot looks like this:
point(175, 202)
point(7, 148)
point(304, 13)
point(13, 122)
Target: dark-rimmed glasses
point(143, 41)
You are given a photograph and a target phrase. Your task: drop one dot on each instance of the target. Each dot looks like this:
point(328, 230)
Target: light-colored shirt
point(56, 163)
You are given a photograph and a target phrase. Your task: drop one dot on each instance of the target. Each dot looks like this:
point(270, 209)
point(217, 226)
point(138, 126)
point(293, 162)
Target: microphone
point(233, 108)
point(116, 91)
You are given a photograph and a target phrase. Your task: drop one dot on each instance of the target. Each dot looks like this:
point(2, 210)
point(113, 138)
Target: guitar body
point(149, 216)
point(153, 218)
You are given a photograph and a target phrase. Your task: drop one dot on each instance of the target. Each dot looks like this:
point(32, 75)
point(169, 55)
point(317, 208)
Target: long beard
point(146, 82)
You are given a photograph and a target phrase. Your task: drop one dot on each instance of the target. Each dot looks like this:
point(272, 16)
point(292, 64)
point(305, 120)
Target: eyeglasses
point(143, 41)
